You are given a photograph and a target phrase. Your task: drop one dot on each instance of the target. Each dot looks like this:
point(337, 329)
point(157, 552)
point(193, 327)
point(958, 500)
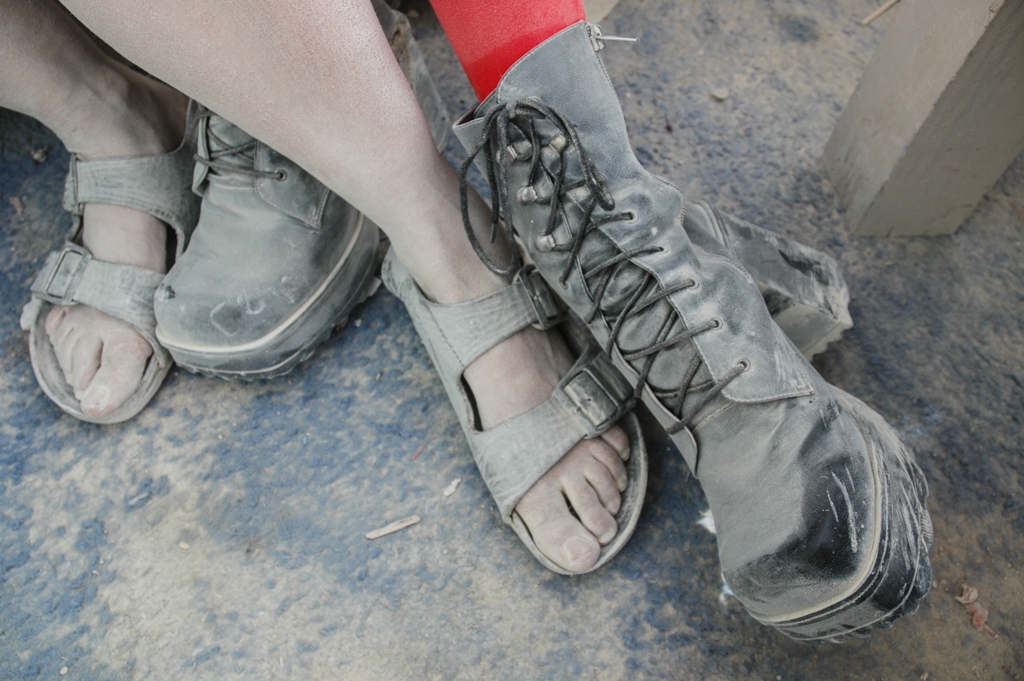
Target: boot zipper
point(598, 38)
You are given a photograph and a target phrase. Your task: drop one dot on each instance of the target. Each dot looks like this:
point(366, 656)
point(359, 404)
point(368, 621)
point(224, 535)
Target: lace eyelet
point(526, 195)
point(633, 217)
point(744, 363)
point(545, 243)
point(692, 284)
point(716, 323)
point(282, 175)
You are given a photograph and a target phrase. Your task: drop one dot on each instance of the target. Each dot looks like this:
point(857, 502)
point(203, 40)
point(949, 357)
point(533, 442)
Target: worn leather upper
point(269, 236)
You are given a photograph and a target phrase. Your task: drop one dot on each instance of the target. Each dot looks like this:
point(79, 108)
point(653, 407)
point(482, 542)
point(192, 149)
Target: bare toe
point(54, 318)
point(85, 362)
point(122, 364)
point(63, 325)
point(616, 437)
point(600, 479)
point(611, 461)
point(558, 535)
point(64, 340)
point(592, 513)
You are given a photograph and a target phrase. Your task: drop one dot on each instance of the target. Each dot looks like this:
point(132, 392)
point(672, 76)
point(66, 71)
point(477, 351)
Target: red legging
point(488, 36)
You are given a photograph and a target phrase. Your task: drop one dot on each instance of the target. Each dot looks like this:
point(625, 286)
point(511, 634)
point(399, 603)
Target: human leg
point(320, 85)
point(99, 109)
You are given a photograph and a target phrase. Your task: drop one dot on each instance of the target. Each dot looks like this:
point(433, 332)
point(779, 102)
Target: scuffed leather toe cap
point(246, 275)
point(859, 559)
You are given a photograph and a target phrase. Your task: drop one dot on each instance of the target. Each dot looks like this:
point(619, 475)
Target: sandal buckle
point(58, 281)
point(548, 312)
point(599, 392)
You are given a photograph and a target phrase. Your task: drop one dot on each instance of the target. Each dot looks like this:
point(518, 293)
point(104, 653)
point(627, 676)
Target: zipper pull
point(598, 38)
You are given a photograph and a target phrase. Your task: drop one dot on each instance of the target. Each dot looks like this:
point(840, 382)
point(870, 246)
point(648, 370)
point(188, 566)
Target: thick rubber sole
point(803, 288)
point(291, 362)
point(293, 342)
point(901, 574)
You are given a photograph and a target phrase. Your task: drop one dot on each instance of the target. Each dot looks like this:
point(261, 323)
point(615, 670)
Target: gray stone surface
point(272, 486)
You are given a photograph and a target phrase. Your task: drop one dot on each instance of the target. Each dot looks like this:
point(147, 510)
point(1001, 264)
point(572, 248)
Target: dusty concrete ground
point(271, 486)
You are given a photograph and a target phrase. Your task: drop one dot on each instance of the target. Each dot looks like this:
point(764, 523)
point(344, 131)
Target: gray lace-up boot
point(819, 507)
point(275, 262)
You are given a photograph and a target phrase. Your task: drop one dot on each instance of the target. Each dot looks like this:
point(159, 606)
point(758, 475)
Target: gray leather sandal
point(158, 185)
point(591, 397)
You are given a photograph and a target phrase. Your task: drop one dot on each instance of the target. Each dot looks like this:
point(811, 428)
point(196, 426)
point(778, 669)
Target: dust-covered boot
point(819, 507)
point(275, 262)
point(803, 288)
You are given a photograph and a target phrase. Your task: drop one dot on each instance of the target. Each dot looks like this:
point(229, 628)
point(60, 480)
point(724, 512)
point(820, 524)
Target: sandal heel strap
point(472, 328)
point(159, 185)
point(72, 276)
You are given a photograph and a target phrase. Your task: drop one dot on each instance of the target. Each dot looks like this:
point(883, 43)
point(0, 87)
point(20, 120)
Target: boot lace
point(523, 115)
point(214, 159)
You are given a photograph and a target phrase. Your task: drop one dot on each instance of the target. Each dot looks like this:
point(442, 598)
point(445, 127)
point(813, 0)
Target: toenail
point(95, 399)
point(607, 536)
point(576, 548)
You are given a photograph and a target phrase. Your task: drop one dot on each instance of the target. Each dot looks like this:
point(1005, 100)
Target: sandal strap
point(472, 328)
point(72, 276)
point(515, 454)
point(512, 456)
point(160, 185)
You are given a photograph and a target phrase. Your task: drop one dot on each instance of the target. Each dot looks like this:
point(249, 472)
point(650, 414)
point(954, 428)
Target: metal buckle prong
point(59, 280)
point(599, 393)
point(548, 312)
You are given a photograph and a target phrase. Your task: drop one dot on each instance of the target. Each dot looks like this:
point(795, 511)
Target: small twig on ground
point(393, 527)
point(889, 4)
point(419, 451)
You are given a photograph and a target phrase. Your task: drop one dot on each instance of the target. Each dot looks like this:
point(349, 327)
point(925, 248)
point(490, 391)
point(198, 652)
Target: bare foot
point(103, 358)
point(517, 375)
